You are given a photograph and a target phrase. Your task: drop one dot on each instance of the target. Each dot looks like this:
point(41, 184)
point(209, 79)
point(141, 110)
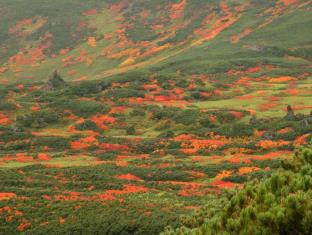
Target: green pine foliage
point(281, 204)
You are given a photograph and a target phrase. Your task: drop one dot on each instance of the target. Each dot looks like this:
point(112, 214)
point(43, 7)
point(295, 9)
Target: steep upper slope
point(93, 39)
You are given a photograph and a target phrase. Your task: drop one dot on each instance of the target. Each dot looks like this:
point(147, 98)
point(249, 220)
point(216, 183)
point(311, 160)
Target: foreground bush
point(280, 204)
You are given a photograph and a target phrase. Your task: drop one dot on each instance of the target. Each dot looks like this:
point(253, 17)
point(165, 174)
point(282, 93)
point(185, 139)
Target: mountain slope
point(93, 39)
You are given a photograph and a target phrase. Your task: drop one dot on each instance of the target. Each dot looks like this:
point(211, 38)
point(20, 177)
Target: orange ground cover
point(92, 41)
point(247, 170)
point(267, 106)
point(142, 156)
point(177, 9)
point(238, 158)
point(194, 145)
point(223, 184)
point(128, 189)
point(2, 69)
point(119, 109)
point(64, 51)
point(20, 24)
point(301, 140)
point(129, 177)
point(217, 27)
point(35, 108)
point(24, 225)
point(184, 137)
point(213, 118)
point(299, 107)
point(61, 220)
point(44, 157)
point(237, 115)
point(237, 38)
point(271, 155)
point(90, 12)
point(285, 130)
point(114, 147)
point(268, 144)
point(189, 191)
point(72, 72)
point(246, 97)
point(196, 174)
point(100, 120)
point(4, 120)
point(5, 196)
point(282, 79)
point(119, 6)
point(21, 157)
point(83, 143)
point(155, 49)
point(206, 94)
point(150, 86)
point(289, 2)
point(293, 92)
point(223, 174)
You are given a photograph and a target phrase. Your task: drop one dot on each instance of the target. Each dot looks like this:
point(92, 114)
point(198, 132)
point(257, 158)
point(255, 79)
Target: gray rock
point(55, 81)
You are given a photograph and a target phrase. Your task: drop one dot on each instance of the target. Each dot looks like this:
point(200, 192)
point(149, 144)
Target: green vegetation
point(179, 113)
point(38, 119)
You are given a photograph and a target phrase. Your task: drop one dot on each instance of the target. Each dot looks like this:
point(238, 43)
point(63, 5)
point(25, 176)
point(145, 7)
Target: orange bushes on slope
point(114, 147)
point(282, 79)
point(141, 156)
point(267, 106)
point(5, 196)
point(176, 11)
point(4, 120)
point(268, 144)
point(24, 225)
point(289, 2)
point(129, 177)
point(44, 157)
point(195, 145)
point(237, 115)
point(35, 108)
point(216, 28)
point(22, 157)
point(116, 8)
point(92, 11)
point(223, 184)
point(247, 170)
point(100, 120)
point(237, 38)
point(223, 174)
point(128, 189)
point(92, 41)
point(301, 140)
point(83, 143)
point(285, 130)
point(155, 49)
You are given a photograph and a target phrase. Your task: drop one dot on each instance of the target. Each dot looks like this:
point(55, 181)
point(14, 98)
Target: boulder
point(55, 81)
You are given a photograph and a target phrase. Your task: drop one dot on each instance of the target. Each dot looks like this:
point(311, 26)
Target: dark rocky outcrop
point(55, 81)
point(290, 113)
point(253, 121)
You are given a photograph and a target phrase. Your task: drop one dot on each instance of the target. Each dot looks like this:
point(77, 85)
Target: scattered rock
point(55, 81)
point(290, 112)
point(253, 121)
point(102, 85)
point(268, 135)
